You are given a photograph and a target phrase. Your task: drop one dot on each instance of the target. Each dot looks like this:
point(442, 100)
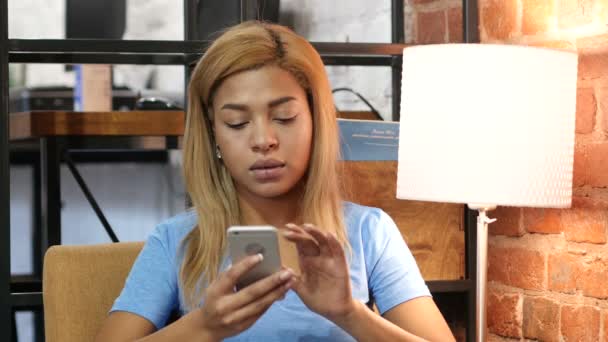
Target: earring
point(217, 152)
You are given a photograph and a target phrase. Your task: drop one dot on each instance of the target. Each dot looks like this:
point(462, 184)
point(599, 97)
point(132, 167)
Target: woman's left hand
point(324, 282)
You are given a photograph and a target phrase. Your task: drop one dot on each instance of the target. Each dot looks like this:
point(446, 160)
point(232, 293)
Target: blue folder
point(368, 140)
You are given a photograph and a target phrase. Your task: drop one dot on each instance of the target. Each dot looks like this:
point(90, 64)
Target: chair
point(80, 284)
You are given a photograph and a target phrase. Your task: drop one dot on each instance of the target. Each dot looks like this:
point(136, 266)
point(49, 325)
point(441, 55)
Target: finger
point(295, 233)
point(290, 227)
point(335, 245)
point(320, 237)
point(305, 245)
point(256, 308)
point(228, 279)
point(244, 325)
point(258, 289)
point(296, 284)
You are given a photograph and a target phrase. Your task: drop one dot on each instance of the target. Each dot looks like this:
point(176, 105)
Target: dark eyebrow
point(280, 101)
point(271, 104)
point(234, 107)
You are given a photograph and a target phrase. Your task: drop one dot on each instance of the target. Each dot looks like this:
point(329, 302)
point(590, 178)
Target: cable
point(369, 105)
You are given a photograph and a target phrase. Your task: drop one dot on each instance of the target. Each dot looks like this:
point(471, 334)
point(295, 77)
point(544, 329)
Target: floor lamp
point(487, 125)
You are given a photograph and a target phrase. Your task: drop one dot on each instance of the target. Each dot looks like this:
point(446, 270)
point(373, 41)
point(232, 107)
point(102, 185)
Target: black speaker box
point(100, 19)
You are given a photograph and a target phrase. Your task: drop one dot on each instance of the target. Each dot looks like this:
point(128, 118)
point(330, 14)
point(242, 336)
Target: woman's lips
point(268, 174)
point(267, 169)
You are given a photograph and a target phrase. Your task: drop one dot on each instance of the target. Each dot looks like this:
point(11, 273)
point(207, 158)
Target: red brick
point(508, 222)
point(516, 267)
point(536, 16)
point(431, 27)
point(597, 162)
point(569, 274)
point(605, 326)
point(594, 278)
point(585, 110)
point(455, 25)
point(496, 338)
point(502, 316)
point(581, 167)
point(585, 225)
point(603, 108)
point(563, 271)
point(597, 200)
point(541, 319)
point(592, 65)
point(499, 18)
point(546, 221)
point(580, 323)
point(573, 13)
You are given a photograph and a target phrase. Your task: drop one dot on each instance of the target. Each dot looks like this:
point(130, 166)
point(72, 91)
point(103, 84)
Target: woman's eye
point(237, 125)
point(286, 120)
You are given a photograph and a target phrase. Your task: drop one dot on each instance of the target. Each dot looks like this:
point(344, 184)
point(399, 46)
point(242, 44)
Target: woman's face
point(263, 128)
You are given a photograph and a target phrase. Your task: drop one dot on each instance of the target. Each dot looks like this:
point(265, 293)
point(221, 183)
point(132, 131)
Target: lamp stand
point(481, 268)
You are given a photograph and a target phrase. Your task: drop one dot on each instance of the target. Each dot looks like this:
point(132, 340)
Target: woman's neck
point(275, 211)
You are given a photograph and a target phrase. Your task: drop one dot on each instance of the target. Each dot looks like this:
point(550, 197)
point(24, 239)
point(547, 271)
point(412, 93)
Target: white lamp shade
point(487, 124)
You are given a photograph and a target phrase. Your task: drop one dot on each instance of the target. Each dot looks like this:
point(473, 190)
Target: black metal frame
point(24, 293)
point(76, 51)
point(89, 196)
point(397, 37)
point(6, 315)
point(470, 28)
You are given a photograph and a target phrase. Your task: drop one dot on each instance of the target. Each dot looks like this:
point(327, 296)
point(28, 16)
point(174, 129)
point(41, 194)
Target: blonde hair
point(248, 46)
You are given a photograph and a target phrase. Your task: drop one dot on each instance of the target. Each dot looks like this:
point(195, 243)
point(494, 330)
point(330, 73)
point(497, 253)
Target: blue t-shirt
point(382, 270)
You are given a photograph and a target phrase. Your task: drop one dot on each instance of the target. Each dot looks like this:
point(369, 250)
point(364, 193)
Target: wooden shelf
point(37, 124)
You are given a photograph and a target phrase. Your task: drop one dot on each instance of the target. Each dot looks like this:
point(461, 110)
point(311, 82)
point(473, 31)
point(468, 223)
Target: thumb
point(298, 284)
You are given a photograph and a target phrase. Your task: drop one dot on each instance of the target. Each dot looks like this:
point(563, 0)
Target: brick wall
point(433, 21)
point(548, 268)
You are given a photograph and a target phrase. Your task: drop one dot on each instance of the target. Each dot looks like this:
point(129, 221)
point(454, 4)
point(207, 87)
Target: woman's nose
point(264, 137)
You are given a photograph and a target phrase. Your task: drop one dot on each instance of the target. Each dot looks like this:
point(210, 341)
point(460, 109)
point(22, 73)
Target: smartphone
point(250, 240)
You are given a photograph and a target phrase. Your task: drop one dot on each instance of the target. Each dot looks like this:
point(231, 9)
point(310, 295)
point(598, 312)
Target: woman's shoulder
point(184, 220)
point(356, 214)
point(363, 221)
point(174, 229)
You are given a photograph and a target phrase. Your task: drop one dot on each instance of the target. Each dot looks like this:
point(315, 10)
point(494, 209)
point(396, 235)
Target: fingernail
point(260, 257)
point(285, 275)
point(287, 233)
point(290, 225)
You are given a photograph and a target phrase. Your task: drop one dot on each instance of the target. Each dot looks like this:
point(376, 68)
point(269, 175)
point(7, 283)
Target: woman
point(261, 148)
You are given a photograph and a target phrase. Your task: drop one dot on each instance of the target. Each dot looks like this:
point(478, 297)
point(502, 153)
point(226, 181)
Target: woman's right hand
point(226, 312)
